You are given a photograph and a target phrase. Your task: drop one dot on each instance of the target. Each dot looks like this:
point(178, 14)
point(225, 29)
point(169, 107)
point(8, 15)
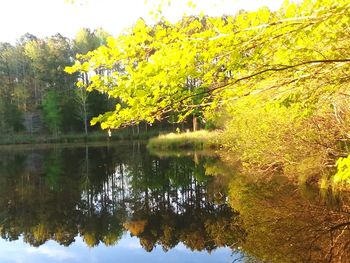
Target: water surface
point(102, 203)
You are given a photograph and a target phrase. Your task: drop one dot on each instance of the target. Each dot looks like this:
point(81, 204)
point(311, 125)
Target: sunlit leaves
point(343, 174)
point(204, 61)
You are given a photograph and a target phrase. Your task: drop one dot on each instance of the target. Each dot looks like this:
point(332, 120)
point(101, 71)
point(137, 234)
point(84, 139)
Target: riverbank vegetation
point(94, 136)
point(275, 82)
point(199, 140)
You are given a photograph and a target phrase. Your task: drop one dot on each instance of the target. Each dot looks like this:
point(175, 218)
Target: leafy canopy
point(298, 54)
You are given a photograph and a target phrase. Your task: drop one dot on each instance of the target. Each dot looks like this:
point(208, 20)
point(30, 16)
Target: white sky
point(47, 17)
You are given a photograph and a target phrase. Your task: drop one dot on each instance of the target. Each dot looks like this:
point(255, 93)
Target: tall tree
point(84, 42)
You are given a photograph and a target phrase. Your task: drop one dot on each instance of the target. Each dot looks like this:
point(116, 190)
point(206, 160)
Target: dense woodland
point(36, 95)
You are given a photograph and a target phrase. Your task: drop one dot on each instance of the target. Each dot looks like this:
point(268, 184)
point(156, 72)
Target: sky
point(44, 18)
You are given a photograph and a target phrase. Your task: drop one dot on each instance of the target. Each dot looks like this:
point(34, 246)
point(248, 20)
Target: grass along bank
point(262, 153)
point(97, 136)
point(198, 140)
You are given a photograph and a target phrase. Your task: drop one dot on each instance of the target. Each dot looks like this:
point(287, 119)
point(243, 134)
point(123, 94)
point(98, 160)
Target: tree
point(293, 60)
point(12, 94)
point(227, 56)
point(84, 42)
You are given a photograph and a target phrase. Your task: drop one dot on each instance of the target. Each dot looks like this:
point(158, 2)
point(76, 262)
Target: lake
point(117, 202)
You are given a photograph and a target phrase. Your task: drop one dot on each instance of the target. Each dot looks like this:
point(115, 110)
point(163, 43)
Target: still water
point(120, 203)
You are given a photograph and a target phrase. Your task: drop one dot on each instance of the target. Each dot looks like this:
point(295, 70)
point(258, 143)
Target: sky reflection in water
point(127, 250)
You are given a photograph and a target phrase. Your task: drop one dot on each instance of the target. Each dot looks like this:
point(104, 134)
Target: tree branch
point(272, 69)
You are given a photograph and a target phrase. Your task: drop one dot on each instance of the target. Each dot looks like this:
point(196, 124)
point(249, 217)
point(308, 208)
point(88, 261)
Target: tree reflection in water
point(100, 192)
point(287, 223)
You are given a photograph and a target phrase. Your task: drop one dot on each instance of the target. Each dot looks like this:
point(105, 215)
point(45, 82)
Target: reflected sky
point(127, 250)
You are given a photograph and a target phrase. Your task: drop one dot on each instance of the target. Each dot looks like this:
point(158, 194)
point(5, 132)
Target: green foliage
point(207, 62)
point(52, 112)
point(13, 118)
point(342, 177)
point(31, 70)
point(87, 40)
point(279, 78)
point(54, 170)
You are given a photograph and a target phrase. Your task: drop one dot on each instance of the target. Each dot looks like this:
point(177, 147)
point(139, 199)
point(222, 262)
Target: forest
point(274, 83)
point(36, 95)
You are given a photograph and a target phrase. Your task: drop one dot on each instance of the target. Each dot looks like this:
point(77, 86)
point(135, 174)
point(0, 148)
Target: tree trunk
point(85, 119)
point(194, 123)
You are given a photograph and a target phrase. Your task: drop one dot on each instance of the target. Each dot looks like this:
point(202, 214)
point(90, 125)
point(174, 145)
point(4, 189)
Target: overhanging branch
point(272, 69)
